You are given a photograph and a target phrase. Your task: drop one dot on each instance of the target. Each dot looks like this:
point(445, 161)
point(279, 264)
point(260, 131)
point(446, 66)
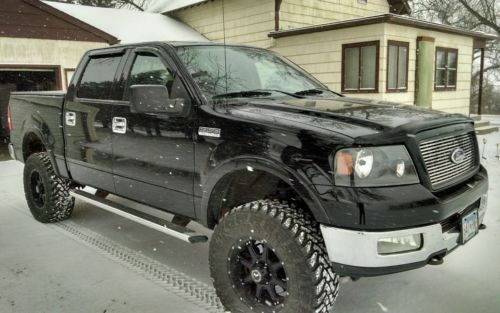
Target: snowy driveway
point(98, 262)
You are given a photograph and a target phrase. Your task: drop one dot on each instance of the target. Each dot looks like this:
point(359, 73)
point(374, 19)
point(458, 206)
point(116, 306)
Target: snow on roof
point(130, 26)
point(163, 6)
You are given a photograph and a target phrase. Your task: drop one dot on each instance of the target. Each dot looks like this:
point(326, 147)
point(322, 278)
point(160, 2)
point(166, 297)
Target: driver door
point(153, 153)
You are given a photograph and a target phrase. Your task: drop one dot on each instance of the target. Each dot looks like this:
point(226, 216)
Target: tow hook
point(437, 260)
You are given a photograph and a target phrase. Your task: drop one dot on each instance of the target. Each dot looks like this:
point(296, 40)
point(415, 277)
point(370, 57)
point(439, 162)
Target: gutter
point(384, 18)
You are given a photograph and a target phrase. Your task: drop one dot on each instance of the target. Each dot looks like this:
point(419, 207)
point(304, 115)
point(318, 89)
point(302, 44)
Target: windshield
point(244, 72)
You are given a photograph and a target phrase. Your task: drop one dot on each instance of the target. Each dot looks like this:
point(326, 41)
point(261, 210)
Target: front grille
point(437, 157)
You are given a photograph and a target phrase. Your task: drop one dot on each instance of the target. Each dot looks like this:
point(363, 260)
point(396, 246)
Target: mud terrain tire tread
point(300, 228)
point(59, 204)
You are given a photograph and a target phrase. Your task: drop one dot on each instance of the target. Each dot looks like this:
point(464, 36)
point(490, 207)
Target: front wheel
point(47, 194)
point(269, 257)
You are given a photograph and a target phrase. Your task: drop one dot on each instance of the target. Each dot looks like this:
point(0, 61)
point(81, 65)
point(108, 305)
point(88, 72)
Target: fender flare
point(32, 131)
point(296, 181)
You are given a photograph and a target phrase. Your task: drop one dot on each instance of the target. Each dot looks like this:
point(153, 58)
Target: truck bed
point(38, 113)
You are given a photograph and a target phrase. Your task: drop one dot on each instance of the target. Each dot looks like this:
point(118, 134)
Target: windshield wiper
point(243, 94)
point(254, 93)
point(315, 91)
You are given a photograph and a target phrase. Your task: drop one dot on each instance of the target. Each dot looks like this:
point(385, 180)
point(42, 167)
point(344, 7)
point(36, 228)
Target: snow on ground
point(98, 262)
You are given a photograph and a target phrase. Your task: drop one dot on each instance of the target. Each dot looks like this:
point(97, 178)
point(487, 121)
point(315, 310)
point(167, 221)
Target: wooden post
point(480, 91)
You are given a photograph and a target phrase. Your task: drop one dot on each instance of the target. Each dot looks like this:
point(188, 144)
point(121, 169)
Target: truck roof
point(173, 44)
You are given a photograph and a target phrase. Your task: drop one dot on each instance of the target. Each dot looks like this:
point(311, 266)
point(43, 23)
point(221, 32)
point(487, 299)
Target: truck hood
point(352, 117)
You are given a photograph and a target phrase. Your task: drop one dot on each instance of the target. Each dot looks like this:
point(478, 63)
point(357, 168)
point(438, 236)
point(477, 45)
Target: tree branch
point(132, 3)
point(480, 17)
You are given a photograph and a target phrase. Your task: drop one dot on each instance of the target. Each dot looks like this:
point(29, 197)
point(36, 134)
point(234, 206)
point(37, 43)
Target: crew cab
point(300, 184)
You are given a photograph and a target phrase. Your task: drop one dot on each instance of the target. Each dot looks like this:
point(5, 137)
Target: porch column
point(424, 77)
point(480, 91)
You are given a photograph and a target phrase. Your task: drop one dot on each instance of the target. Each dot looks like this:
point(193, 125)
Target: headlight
point(374, 166)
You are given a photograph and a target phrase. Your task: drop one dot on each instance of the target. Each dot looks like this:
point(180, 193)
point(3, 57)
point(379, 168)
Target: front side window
point(397, 66)
point(446, 69)
point(148, 69)
point(98, 78)
point(360, 67)
point(222, 72)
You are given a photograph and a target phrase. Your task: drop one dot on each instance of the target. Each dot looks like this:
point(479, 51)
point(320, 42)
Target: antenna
point(224, 38)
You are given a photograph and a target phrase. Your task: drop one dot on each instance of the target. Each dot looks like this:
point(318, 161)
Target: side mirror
point(154, 99)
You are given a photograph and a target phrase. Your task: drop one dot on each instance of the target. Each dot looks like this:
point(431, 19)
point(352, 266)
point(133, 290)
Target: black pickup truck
point(300, 184)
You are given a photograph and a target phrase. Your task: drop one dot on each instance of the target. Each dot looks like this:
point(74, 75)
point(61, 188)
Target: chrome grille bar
point(437, 157)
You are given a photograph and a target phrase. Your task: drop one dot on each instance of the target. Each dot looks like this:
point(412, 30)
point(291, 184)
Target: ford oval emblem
point(458, 155)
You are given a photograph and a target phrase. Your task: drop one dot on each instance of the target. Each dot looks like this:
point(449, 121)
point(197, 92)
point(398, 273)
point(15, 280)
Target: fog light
point(399, 244)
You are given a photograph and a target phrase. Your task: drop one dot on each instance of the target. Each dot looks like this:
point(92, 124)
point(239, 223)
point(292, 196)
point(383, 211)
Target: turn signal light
point(343, 163)
point(9, 118)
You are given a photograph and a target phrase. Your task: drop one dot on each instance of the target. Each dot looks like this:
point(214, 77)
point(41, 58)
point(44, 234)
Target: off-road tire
point(58, 204)
point(295, 237)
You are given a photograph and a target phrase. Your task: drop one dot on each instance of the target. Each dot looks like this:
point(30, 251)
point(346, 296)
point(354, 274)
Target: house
point(41, 42)
point(40, 46)
point(365, 48)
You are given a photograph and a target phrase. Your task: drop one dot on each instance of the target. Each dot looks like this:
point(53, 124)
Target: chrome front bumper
point(355, 253)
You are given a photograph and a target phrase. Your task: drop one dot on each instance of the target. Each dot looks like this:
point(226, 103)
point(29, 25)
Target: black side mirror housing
point(155, 99)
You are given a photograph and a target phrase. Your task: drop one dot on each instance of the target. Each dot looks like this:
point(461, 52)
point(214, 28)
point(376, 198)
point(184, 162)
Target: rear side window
point(97, 79)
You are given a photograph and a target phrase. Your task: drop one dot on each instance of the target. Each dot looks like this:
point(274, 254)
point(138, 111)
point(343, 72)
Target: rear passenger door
point(154, 154)
point(87, 118)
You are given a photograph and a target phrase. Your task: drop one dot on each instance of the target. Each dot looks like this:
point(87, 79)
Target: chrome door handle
point(70, 118)
point(119, 125)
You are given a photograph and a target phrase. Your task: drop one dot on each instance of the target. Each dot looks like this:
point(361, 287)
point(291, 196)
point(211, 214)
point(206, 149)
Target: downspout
point(277, 6)
point(480, 91)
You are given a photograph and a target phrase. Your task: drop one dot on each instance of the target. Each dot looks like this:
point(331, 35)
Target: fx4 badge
point(209, 132)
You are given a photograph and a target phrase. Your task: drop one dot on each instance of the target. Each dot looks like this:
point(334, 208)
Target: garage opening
point(39, 78)
point(24, 78)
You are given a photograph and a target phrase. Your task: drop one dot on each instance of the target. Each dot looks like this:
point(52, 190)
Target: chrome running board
point(142, 218)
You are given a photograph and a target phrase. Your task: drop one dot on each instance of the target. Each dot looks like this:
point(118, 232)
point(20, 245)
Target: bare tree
point(478, 15)
point(129, 4)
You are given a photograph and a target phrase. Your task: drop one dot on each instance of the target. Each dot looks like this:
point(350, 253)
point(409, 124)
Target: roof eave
point(110, 39)
point(384, 18)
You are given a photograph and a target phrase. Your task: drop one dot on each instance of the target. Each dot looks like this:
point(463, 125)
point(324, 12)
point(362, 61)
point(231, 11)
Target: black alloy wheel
point(258, 274)
point(38, 189)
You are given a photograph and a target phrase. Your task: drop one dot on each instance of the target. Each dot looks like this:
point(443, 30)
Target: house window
point(360, 67)
point(446, 69)
point(397, 66)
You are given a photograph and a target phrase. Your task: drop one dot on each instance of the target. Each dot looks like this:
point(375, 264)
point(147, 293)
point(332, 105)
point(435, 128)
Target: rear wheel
point(268, 257)
point(47, 194)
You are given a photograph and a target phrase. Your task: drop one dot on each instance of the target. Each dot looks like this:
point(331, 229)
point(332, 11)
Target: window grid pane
point(446, 68)
point(402, 67)
point(352, 68)
point(368, 67)
point(392, 78)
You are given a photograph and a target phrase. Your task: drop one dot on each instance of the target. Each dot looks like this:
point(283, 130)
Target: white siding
point(298, 13)
point(63, 53)
point(244, 24)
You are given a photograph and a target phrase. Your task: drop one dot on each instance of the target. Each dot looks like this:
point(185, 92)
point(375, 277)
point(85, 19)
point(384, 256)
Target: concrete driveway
point(98, 262)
